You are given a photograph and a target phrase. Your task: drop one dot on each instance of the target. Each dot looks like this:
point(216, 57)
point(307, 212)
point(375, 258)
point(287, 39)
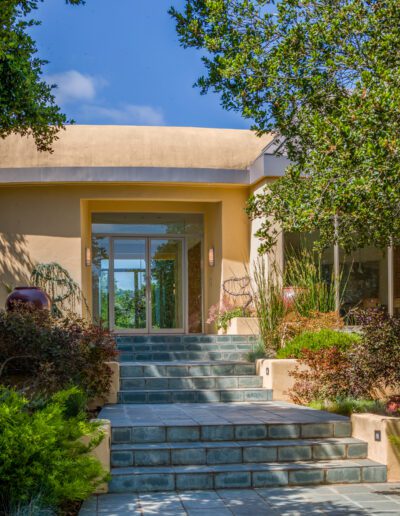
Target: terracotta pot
point(35, 296)
point(290, 294)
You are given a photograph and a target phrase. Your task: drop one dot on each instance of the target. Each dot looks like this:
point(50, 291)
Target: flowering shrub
point(222, 313)
point(43, 354)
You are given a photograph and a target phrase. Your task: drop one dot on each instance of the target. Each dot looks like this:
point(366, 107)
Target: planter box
point(275, 373)
point(370, 428)
point(102, 452)
point(243, 326)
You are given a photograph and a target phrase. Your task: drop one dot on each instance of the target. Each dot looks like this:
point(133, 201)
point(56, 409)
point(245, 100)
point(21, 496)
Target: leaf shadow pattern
point(15, 262)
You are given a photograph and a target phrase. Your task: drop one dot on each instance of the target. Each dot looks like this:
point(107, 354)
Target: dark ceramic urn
point(33, 296)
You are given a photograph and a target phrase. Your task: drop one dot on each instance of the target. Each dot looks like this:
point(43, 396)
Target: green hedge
point(315, 341)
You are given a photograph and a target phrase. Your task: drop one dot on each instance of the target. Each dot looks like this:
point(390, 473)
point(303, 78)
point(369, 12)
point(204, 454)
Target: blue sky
point(119, 62)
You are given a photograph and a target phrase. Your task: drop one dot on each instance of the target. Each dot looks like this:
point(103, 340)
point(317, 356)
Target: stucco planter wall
point(275, 374)
point(370, 428)
point(242, 326)
point(102, 452)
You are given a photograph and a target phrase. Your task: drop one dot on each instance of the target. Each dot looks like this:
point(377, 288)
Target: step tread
point(235, 444)
point(251, 466)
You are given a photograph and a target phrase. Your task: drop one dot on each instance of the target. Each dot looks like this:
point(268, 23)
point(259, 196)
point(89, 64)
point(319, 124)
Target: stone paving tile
point(215, 413)
point(338, 500)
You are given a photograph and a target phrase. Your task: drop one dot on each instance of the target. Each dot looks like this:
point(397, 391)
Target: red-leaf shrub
point(357, 372)
point(42, 354)
point(329, 374)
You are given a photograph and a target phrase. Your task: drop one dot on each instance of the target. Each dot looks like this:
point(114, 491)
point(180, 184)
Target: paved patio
point(346, 500)
point(194, 414)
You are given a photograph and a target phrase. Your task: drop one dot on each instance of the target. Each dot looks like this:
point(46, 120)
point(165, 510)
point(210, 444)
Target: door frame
point(184, 275)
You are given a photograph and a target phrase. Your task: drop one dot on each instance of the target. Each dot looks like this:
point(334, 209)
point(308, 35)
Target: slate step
point(170, 478)
point(190, 382)
point(125, 356)
point(180, 432)
point(184, 369)
point(194, 396)
point(151, 347)
point(230, 452)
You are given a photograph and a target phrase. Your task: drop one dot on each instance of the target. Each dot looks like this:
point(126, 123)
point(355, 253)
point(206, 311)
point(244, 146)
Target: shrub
point(359, 371)
point(43, 354)
point(329, 374)
point(348, 406)
point(222, 313)
point(316, 341)
point(378, 355)
point(258, 351)
point(42, 455)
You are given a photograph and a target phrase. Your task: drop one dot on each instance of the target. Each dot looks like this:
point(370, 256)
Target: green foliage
point(325, 76)
point(64, 291)
point(43, 354)
point(27, 104)
point(257, 352)
point(316, 341)
point(268, 302)
point(42, 453)
point(303, 270)
point(224, 317)
point(348, 406)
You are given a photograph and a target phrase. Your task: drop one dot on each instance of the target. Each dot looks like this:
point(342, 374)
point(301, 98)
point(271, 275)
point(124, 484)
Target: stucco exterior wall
point(52, 223)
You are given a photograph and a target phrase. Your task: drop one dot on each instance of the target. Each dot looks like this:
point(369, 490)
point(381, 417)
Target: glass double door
point(146, 285)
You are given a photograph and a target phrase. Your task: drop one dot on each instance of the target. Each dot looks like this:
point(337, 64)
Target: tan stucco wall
point(52, 223)
point(135, 146)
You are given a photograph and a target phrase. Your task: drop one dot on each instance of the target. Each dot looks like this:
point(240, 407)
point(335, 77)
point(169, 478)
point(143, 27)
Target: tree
point(27, 105)
point(324, 75)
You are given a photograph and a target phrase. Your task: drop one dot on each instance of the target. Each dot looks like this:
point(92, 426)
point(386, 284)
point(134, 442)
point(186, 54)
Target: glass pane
point(147, 223)
point(100, 272)
point(365, 279)
point(166, 284)
point(194, 285)
point(129, 284)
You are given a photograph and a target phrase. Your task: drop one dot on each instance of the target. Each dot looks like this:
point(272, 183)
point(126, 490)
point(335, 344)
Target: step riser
point(152, 348)
point(235, 455)
point(170, 481)
point(173, 370)
point(207, 433)
point(185, 339)
point(194, 396)
point(180, 355)
point(227, 382)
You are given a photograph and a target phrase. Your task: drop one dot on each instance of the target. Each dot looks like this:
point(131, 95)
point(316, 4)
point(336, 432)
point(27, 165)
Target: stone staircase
point(178, 424)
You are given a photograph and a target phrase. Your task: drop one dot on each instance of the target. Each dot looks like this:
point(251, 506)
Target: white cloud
point(127, 114)
point(74, 86)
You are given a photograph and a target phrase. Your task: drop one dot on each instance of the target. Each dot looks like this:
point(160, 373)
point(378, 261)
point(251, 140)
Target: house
point(150, 221)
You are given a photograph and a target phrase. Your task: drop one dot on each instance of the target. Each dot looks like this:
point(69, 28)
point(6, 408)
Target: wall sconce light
point(88, 256)
point(211, 257)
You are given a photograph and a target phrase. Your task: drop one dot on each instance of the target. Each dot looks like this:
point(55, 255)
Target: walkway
point(338, 500)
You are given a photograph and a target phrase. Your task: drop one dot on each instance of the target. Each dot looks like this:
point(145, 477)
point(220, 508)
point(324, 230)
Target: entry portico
point(148, 220)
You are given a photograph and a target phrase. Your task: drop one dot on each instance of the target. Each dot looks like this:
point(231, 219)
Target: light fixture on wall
point(211, 257)
point(88, 256)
